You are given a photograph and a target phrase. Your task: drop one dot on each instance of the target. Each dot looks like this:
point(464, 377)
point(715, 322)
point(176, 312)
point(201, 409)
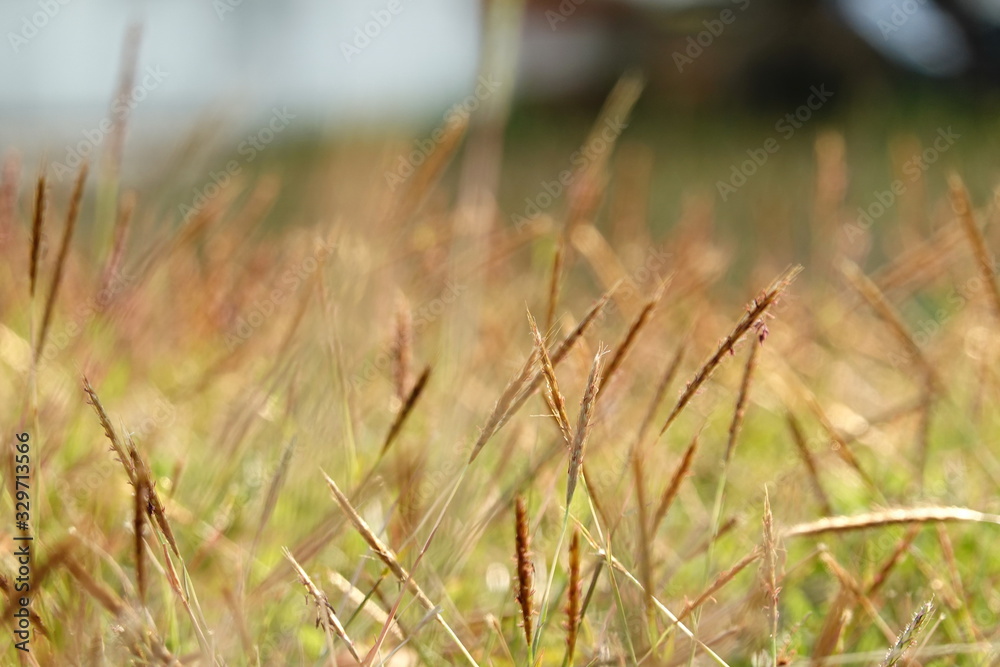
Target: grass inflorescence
point(352, 409)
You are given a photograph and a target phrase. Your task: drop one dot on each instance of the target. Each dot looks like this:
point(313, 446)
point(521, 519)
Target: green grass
point(211, 422)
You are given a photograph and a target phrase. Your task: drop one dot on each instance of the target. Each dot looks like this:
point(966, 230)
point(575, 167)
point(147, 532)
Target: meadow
point(354, 409)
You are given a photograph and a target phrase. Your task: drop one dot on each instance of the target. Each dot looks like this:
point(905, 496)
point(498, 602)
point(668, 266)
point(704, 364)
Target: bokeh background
point(409, 142)
point(376, 78)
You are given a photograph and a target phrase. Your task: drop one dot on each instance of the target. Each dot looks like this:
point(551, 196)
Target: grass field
point(330, 416)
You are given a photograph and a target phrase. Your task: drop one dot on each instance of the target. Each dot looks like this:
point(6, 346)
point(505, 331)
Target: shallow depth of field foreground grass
point(415, 433)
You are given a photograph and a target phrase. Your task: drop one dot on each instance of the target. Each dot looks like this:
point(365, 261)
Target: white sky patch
point(913, 32)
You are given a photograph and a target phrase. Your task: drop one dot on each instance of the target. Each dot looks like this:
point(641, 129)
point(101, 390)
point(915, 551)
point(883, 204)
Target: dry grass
point(525, 570)
point(60, 266)
point(193, 539)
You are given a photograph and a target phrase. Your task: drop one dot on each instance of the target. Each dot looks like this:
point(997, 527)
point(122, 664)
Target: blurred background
point(722, 78)
point(346, 61)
